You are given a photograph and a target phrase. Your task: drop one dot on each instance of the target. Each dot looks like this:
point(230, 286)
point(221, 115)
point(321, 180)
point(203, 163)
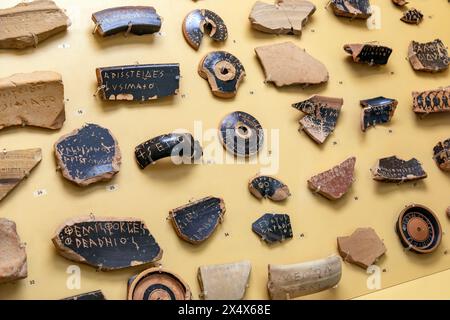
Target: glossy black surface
point(361, 5)
point(194, 27)
point(94, 295)
point(266, 186)
point(441, 154)
point(395, 169)
point(432, 101)
point(273, 227)
point(377, 111)
point(412, 16)
point(371, 54)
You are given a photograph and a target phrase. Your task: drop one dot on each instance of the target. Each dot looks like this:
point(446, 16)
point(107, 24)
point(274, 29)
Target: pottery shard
point(359, 9)
point(362, 248)
point(28, 24)
point(286, 64)
point(334, 183)
point(224, 281)
point(448, 212)
point(32, 99)
point(368, 53)
point(399, 3)
point(412, 16)
point(283, 17)
point(268, 187)
point(94, 295)
point(393, 169)
point(441, 154)
point(429, 57)
point(16, 166)
point(432, 101)
point(13, 258)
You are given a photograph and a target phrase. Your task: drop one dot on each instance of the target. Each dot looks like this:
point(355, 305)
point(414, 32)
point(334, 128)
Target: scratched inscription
point(432, 55)
point(273, 227)
point(394, 169)
point(377, 111)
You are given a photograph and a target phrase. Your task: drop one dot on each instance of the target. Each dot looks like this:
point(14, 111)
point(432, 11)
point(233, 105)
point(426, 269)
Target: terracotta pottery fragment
point(295, 280)
point(29, 23)
point(283, 17)
point(13, 258)
point(107, 243)
point(393, 169)
point(157, 284)
point(429, 57)
point(224, 281)
point(286, 64)
point(412, 16)
point(362, 248)
point(273, 228)
point(241, 134)
point(32, 99)
point(377, 111)
point(321, 115)
point(448, 212)
point(137, 20)
point(94, 295)
point(178, 146)
point(432, 101)
point(201, 21)
point(399, 3)
point(195, 222)
point(16, 166)
point(88, 155)
point(419, 229)
point(223, 71)
point(368, 53)
point(334, 183)
point(358, 9)
point(441, 154)
point(138, 82)
point(268, 187)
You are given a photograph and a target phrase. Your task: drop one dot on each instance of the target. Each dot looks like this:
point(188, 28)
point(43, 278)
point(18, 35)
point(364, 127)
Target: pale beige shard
point(362, 248)
point(224, 281)
point(16, 166)
point(295, 280)
point(283, 17)
point(13, 258)
point(286, 64)
point(28, 24)
point(32, 99)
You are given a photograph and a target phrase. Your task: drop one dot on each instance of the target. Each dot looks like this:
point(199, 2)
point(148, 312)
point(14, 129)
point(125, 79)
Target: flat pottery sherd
point(273, 228)
point(431, 101)
point(13, 258)
point(441, 154)
point(94, 295)
point(412, 16)
point(376, 111)
point(399, 3)
point(201, 21)
point(355, 9)
point(268, 187)
point(429, 56)
point(393, 169)
point(368, 53)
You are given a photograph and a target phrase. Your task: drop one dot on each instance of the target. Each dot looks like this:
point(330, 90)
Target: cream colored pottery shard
point(13, 258)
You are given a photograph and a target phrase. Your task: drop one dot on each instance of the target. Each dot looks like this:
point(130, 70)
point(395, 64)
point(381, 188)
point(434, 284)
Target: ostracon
point(283, 17)
point(137, 20)
point(363, 248)
point(16, 166)
point(286, 64)
point(448, 212)
point(334, 183)
point(158, 284)
point(94, 295)
point(32, 99)
point(412, 16)
point(358, 9)
point(195, 222)
point(224, 281)
point(393, 169)
point(419, 229)
point(139, 82)
point(441, 154)
point(377, 111)
point(201, 21)
point(368, 53)
point(107, 243)
point(13, 258)
point(268, 187)
point(430, 56)
point(399, 3)
point(273, 228)
point(88, 155)
point(432, 101)
point(28, 24)
point(223, 71)
point(321, 115)
point(295, 280)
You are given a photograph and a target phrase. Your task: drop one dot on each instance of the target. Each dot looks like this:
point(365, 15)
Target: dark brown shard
point(399, 3)
point(368, 53)
point(429, 57)
point(431, 101)
point(13, 258)
point(201, 21)
point(94, 295)
point(359, 9)
point(334, 183)
point(107, 243)
point(412, 16)
point(268, 187)
point(273, 227)
point(441, 154)
point(28, 24)
point(137, 20)
point(377, 111)
point(321, 116)
point(448, 212)
point(393, 169)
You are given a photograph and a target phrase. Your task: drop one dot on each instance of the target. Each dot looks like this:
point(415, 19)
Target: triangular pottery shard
point(273, 228)
point(431, 101)
point(441, 154)
point(32, 99)
point(393, 169)
point(296, 280)
point(430, 56)
point(412, 16)
point(362, 248)
point(29, 23)
point(16, 166)
point(321, 116)
point(286, 64)
point(107, 243)
point(268, 187)
point(368, 53)
point(13, 258)
point(334, 183)
point(359, 9)
point(196, 221)
point(377, 111)
point(283, 17)
point(224, 281)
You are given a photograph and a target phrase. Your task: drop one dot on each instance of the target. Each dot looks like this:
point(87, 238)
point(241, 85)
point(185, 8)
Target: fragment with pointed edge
point(13, 258)
point(393, 169)
point(273, 227)
point(355, 9)
point(412, 16)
